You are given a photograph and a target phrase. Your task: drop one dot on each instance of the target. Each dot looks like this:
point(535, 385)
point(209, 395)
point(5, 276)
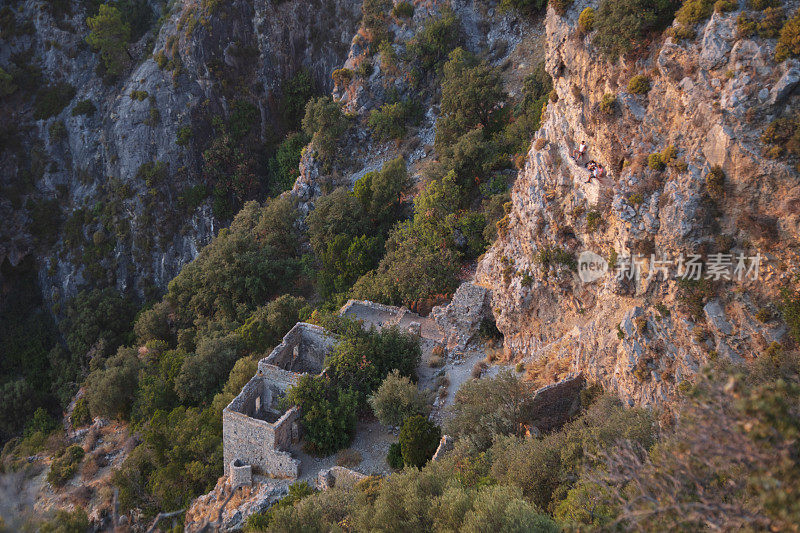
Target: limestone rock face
point(641, 337)
point(461, 319)
point(93, 171)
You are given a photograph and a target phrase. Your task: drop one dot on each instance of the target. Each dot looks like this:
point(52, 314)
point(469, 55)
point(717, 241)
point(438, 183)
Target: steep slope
point(112, 195)
point(711, 97)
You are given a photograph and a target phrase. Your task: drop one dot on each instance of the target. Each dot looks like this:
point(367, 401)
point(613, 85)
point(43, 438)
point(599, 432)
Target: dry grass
point(545, 371)
point(348, 458)
point(478, 369)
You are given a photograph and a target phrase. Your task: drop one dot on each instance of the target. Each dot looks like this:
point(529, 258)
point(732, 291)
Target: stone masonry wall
point(553, 405)
point(303, 349)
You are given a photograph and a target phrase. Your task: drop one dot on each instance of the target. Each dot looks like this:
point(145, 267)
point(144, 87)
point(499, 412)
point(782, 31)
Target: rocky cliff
point(105, 196)
point(711, 191)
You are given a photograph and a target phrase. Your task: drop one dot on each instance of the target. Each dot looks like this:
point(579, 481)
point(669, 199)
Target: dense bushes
point(110, 391)
point(477, 420)
point(586, 20)
point(109, 35)
point(324, 123)
point(359, 362)
point(782, 136)
point(432, 44)
point(623, 24)
point(472, 95)
point(639, 84)
point(419, 438)
point(244, 266)
point(390, 120)
point(51, 100)
point(347, 230)
point(789, 40)
point(328, 413)
point(65, 465)
point(396, 399)
point(267, 325)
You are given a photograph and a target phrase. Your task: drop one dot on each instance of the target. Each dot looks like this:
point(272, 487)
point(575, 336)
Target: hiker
point(578, 155)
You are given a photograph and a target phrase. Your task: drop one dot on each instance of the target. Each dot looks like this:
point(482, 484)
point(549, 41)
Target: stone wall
point(338, 476)
point(259, 443)
point(553, 405)
point(373, 314)
point(303, 349)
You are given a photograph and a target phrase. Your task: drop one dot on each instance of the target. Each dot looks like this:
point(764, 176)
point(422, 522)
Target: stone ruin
point(257, 434)
point(553, 405)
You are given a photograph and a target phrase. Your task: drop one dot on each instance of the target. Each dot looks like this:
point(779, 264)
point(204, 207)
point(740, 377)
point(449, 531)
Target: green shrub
point(7, 86)
point(375, 19)
point(328, 414)
point(790, 307)
point(65, 465)
point(432, 44)
point(527, 7)
point(656, 162)
point(782, 135)
point(693, 295)
point(623, 24)
point(789, 39)
point(84, 107)
point(342, 77)
point(771, 23)
point(161, 59)
point(722, 6)
point(694, 11)
point(478, 421)
point(80, 413)
point(324, 123)
point(284, 165)
point(297, 492)
point(394, 458)
point(139, 95)
point(396, 399)
point(403, 9)
point(184, 135)
point(760, 5)
point(268, 324)
point(109, 35)
point(243, 119)
point(52, 99)
point(390, 120)
point(57, 131)
point(110, 391)
point(593, 220)
point(472, 94)
point(639, 84)
point(608, 104)
point(586, 20)
point(419, 438)
point(561, 6)
point(297, 91)
point(745, 26)
point(63, 521)
point(715, 182)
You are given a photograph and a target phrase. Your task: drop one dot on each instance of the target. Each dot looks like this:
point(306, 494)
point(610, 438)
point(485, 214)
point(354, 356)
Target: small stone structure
point(338, 476)
point(241, 474)
point(552, 406)
point(256, 433)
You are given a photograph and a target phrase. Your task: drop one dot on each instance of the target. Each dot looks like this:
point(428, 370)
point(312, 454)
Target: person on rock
point(578, 155)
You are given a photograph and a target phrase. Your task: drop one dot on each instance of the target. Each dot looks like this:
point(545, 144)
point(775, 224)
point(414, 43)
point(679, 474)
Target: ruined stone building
point(257, 434)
